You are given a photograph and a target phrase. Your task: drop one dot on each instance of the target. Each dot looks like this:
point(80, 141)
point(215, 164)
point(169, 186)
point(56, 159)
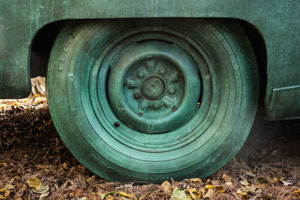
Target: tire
point(150, 100)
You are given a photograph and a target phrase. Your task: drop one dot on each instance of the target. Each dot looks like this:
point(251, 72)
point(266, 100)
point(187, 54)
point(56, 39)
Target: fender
point(278, 22)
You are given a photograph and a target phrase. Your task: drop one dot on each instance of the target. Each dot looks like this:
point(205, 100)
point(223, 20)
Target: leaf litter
point(34, 164)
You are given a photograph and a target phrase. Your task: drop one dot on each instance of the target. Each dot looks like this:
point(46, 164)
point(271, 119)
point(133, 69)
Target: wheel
point(152, 99)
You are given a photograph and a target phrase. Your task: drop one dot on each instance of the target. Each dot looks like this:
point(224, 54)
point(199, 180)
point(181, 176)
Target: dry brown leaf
point(245, 183)
point(130, 196)
point(6, 193)
point(226, 178)
point(91, 180)
point(220, 188)
point(207, 187)
point(180, 195)
point(44, 189)
point(109, 197)
point(209, 194)
point(195, 194)
point(196, 180)
point(286, 183)
point(166, 187)
point(240, 192)
point(3, 164)
point(34, 183)
point(297, 191)
point(3, 189)
point(44, 195)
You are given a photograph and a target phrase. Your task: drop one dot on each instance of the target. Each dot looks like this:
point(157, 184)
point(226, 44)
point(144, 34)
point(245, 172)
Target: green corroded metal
point(153, 86)
point(278, 22)
point(203, 72)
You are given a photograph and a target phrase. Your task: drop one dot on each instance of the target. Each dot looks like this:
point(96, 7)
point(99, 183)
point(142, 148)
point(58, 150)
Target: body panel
point(278, 22)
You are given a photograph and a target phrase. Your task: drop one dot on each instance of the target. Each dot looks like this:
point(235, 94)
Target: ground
point(34, 164)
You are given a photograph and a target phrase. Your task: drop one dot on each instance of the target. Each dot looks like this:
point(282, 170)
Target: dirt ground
point(34, 164)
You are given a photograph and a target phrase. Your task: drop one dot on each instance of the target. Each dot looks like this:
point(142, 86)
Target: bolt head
point(140, 74)
point(117, 124)
point(156, 105)
point(171, 90)
point(137, 95)
point(162, 70)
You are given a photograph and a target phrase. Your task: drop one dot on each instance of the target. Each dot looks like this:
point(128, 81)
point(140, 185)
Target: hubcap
point(154, 87)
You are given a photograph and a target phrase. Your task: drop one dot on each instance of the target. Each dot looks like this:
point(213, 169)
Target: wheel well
point(45, 37)
point(41, 47)
point(259, 48)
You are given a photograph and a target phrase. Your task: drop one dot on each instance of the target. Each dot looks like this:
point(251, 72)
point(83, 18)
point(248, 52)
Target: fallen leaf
point(103, 196)
point(42, 190)
point(245, 183)
point(240, 192)
point(130, 196)
point(226, 178)
point(44, 195)
point(209, 194)
point(6, 193)
point(3, 189)
point(195, 194)
point(220, 188)
point(286, 183)
point(34, 183)
point(166, 187)
point(250, 175)
point(297, 192)
point(180, 195)
point(196, 180)
point(3, 164)
point(209, 187)
point(91, 180)
point(109, 197)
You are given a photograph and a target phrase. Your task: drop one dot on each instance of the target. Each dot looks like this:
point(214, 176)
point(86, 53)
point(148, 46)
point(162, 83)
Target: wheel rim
point(152, 91)
point(190, 129)
point(96, 135)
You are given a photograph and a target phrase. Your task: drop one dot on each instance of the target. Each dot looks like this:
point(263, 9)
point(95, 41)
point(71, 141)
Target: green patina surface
point(278, 21)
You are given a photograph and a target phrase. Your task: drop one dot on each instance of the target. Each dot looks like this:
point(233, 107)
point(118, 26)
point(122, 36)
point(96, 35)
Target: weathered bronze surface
point(151, 99)
point(278, 21)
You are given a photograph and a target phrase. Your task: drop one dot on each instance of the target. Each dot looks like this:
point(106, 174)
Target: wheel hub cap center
point(153, 87)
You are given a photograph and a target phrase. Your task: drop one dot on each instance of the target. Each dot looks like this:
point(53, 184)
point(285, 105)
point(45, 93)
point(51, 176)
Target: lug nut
point(140, 74)
point(162, 70)
point(156, 105)
point(131, 84)
point(171, 90)
point(137, 95)
point(117, 124)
